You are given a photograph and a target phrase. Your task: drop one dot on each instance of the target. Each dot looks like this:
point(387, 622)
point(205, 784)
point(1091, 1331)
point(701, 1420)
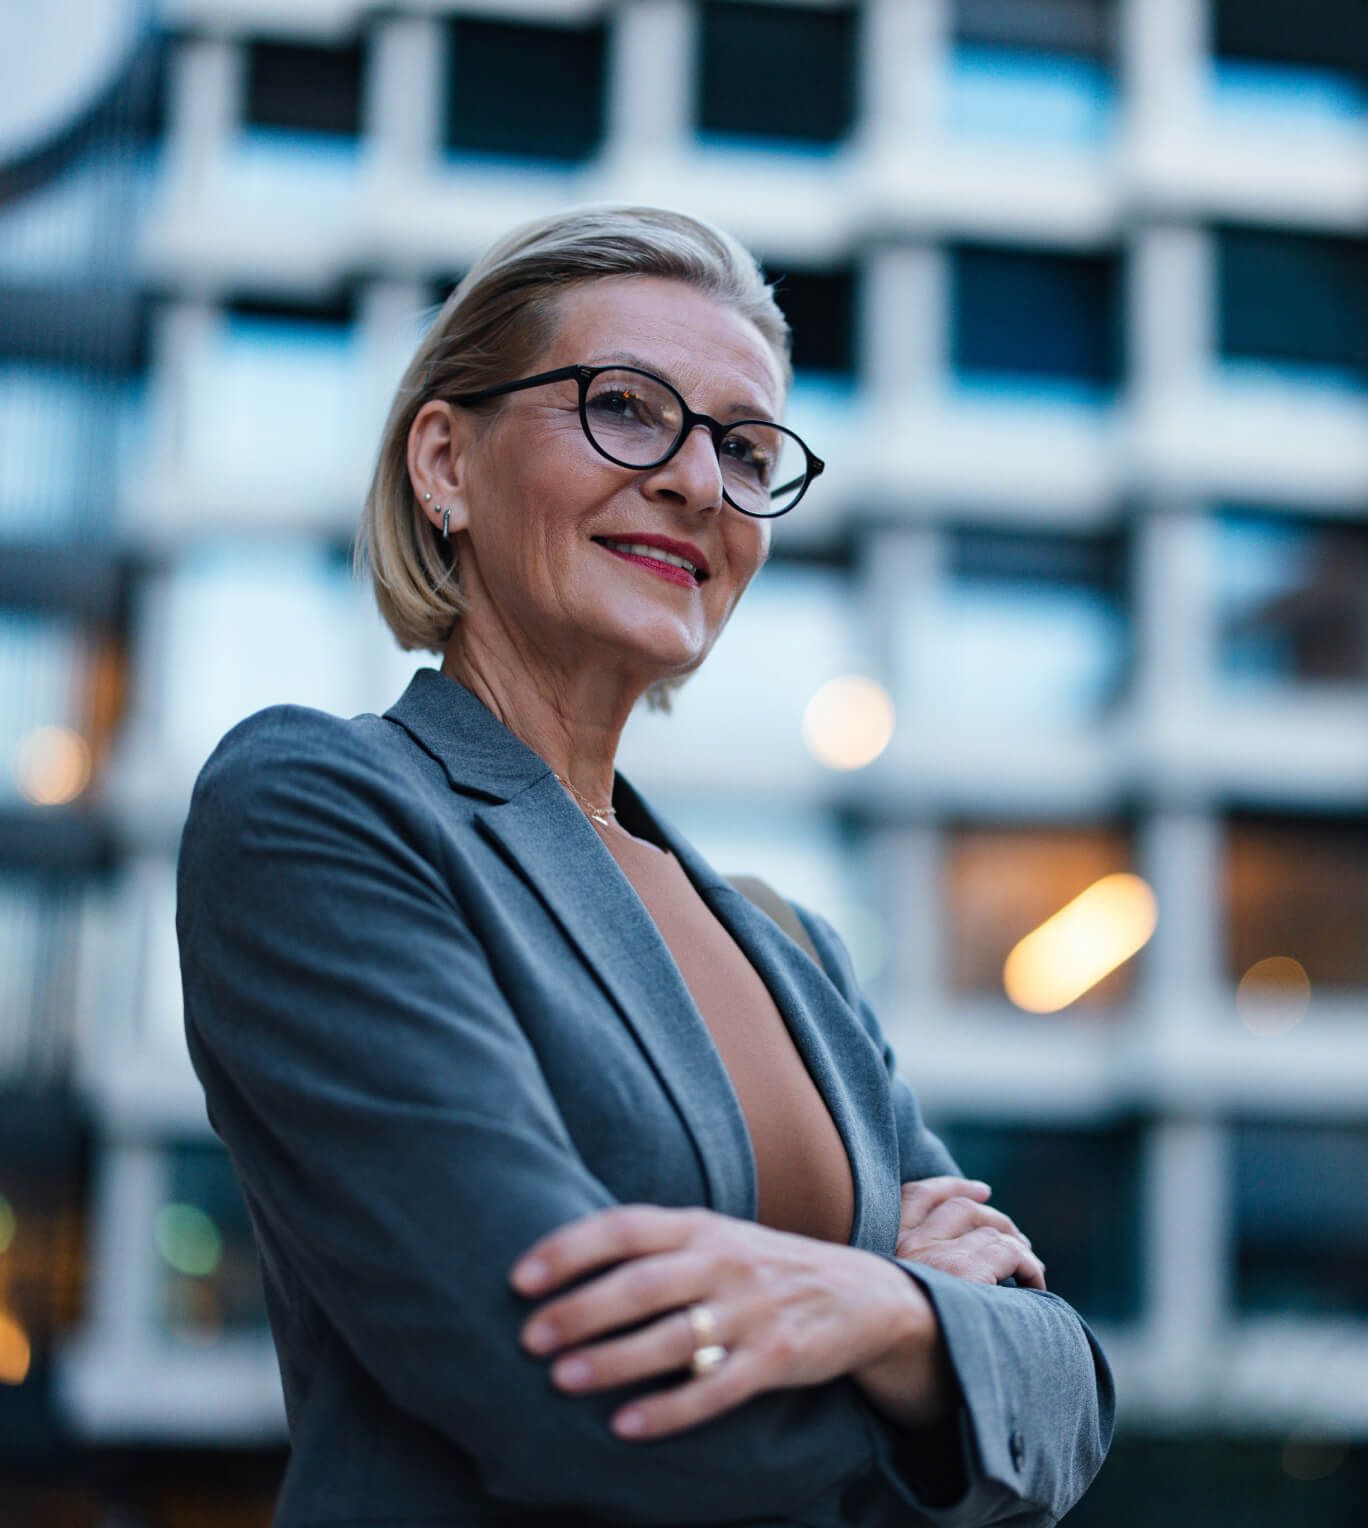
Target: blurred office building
point(1053, 697)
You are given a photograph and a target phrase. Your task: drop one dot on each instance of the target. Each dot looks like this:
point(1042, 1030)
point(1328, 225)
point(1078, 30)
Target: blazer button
point(1017, 1444)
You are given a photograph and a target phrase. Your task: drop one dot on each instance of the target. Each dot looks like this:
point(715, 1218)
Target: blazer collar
point(557, 850)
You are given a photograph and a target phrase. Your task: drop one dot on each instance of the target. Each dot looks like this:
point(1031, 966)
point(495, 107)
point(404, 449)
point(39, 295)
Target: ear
point(439, 444)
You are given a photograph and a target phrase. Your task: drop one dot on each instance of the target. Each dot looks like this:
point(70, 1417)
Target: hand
point(945, 1225)
point(792, 1310)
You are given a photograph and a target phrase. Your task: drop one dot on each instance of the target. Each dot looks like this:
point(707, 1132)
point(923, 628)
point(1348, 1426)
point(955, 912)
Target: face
point(533, 497)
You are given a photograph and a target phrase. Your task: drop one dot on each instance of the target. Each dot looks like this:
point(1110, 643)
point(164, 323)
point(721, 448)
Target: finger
point(956, 1215)
point(685, 1406)
point(921, 1195)
point(987, 1255)
point(641, 1287)
point(1032, 1277)
point(606, 1236)
point(1031, 1271)
point(663, 1347)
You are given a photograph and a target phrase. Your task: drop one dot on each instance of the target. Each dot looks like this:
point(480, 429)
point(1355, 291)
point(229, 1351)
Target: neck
point(572, 717)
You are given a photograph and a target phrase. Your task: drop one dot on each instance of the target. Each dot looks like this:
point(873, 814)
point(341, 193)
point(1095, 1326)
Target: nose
point(693, 473)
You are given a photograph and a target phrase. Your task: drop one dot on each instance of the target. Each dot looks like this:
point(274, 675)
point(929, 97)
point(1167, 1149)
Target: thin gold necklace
point(600, 814)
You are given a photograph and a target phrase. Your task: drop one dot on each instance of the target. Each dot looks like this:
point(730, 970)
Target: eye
point(750, 453)
point(624, 403)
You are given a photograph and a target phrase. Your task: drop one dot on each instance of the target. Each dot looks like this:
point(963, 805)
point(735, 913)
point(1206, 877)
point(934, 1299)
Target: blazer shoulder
point(289, 732)
point(291, 779)
point(300, 750)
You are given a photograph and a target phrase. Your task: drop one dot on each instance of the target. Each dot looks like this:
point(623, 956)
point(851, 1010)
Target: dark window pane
point(1030, 314)
point(536, 92)
point(1001, 883)
point(338, 308)
point(773, 71)
point(305, 87)
point(1301, 1218)
point(820, 308)
point(1292, 599)
point(1329, 34)
point(1076, 1193)
point(40, 914)
point(1296, 887)
point(44, 1208)
point(211, 1273)
point(1054, 26)
point(1293, 297)
point(445, 284)
point(980, 552)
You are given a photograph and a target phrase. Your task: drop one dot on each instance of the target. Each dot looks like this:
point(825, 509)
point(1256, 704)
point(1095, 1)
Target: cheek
point(748, 550)
point(543, 499)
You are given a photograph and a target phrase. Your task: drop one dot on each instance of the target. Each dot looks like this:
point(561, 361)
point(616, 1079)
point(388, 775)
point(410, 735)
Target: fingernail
point(530, 1275)
point(541, 1336)
point(573, 1371)
point(630, 1423)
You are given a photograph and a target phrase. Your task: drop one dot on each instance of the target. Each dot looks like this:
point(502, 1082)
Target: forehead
point(700, 344)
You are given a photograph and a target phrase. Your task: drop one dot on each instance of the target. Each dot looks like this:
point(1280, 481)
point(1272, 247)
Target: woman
point(465, 1007)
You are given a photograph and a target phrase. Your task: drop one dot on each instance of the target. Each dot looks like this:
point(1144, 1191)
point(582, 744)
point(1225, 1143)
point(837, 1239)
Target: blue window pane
point(1301, 1218)
point(284, 173)
point(44, 412)
point(1022, 318)
point(825, 408)
point(248, 625)
point(243, 421)
point(1076, 1194)
point(1277, 95)
point(1031, 630)
point(1294, 302)
point(1009, 96)
point(1291, 600)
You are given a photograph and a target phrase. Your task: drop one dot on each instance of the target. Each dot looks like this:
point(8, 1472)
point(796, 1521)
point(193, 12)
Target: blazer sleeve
point(1036, 1400)
point(387, 1114)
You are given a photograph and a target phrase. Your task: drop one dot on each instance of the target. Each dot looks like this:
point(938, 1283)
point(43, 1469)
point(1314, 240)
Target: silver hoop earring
point(446, 525)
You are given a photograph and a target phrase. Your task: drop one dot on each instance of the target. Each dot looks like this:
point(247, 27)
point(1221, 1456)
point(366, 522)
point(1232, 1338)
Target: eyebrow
point(747, 410)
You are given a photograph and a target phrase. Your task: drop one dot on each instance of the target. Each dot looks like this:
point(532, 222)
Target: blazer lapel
point(553, 845)
point(844, 1064)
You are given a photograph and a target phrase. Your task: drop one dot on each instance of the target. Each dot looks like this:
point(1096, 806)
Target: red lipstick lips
point(666, 544)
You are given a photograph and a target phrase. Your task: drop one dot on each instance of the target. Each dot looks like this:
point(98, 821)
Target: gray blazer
point(433, 1022)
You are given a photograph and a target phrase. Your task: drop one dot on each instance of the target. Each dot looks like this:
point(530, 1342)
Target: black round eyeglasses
point(637, 419)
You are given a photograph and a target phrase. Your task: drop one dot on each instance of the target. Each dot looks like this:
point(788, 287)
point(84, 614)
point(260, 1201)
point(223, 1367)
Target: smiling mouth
point(659, 565)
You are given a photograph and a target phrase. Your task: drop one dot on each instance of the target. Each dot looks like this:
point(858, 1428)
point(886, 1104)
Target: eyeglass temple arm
point(817, 465)
point(561, 373)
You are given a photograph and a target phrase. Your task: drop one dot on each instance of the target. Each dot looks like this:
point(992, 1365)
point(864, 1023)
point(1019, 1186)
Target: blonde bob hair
point(491, 329)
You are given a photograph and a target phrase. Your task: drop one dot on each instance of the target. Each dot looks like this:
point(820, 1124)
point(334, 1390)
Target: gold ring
point(707, 1354)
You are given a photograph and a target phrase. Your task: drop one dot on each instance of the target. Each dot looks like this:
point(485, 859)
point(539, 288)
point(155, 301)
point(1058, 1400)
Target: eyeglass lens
point(636, 421)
